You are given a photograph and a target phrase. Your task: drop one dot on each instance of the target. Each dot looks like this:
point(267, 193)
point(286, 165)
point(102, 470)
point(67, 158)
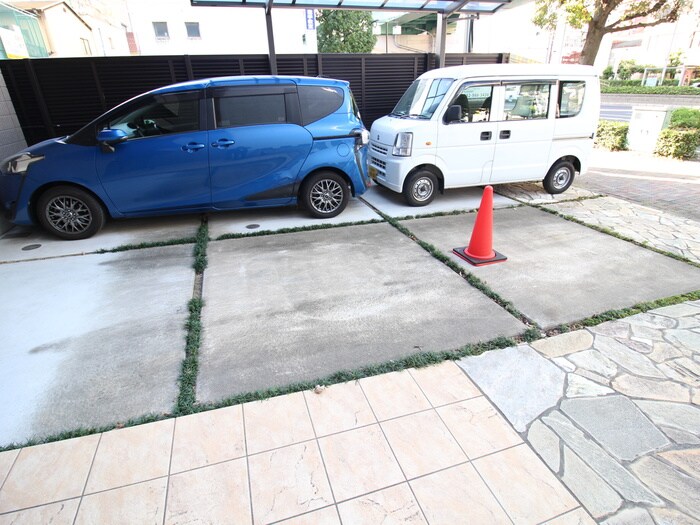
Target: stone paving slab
point(656, 228)
point(91, 340)
point(285, 308)
point(272, 219)
point(23, 243)
point(631, 457)
point(534, 193)
point(558, 271)
point(462, 199)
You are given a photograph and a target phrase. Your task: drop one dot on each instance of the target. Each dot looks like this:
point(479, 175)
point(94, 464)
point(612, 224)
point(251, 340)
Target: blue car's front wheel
point(70, 212)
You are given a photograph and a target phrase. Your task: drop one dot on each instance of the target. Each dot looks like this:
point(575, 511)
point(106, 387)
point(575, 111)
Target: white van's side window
point(570, 98)
point(526, 101)
point(475, 102)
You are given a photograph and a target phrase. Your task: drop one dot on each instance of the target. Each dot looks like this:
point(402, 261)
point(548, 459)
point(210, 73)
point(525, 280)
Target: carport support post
point(441, 30)
point(272, 56)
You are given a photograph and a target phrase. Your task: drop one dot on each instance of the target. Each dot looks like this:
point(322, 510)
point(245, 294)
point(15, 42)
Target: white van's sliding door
point(467, 146)
point(525, 131)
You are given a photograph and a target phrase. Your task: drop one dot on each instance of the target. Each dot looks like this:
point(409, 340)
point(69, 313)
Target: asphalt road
point(620, 112)
point(676, 194)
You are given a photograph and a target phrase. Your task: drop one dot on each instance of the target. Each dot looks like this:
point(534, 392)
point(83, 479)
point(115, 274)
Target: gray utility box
point(645, 126)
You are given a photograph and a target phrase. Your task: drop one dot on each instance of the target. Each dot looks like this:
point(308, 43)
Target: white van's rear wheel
point(419, 188)
point(559, 177)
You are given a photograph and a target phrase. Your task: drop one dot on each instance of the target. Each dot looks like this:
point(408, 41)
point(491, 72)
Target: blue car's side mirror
point(111, 136)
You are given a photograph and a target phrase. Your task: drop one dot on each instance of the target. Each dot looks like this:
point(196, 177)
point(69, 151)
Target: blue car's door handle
point(192, 147)
point(223, 143)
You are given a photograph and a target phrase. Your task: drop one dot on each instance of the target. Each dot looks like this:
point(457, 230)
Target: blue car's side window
point(160, 115)
point(249, 110)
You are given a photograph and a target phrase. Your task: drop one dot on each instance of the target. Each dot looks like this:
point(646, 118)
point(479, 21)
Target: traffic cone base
point(475, 261)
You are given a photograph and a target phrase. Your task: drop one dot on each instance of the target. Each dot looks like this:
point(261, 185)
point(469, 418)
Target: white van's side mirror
point(453, 114)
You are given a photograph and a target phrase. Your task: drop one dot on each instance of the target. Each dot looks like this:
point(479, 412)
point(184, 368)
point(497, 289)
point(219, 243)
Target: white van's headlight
point(19, 163)
point(403, 144)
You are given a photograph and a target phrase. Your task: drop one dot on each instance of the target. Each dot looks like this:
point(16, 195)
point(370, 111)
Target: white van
point(487, 124)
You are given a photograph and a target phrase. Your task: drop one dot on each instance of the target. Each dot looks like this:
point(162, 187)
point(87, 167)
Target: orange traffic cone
point(480, 251)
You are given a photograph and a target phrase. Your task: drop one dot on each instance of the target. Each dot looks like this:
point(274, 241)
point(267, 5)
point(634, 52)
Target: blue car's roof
point(247, 81)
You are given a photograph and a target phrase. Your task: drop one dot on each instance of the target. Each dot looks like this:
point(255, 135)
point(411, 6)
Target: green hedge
point(612, 135)
point(643, 90)
point(685, 118)
point(678, 143)
point(633, 83)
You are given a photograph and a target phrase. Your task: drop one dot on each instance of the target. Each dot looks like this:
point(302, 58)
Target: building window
point(192, 29)
point(161, 30)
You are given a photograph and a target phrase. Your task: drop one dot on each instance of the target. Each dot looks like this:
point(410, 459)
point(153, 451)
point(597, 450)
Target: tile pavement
point(613, 410)
point(418, 446)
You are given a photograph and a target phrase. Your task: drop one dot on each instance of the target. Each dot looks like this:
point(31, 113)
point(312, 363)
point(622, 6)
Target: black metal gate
point(56, 96)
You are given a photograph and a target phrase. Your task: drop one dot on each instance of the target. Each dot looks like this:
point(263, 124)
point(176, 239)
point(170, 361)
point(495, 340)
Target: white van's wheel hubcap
point(422, 189)
point(561, 178)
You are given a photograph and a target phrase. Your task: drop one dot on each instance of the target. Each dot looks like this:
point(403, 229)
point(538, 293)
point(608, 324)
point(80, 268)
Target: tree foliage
point(601, 17)
point(345, 32)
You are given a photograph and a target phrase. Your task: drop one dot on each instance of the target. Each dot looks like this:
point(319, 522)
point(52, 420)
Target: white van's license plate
point(373, 173)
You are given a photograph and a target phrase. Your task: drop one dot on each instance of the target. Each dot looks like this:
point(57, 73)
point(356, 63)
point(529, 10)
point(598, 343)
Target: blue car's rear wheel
point(325, 194)
point(70, 213)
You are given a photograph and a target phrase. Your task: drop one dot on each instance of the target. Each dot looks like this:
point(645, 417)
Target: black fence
point(56, 96)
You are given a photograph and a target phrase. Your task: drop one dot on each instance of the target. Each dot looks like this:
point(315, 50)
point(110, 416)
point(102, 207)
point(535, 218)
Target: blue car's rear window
point(318, 102)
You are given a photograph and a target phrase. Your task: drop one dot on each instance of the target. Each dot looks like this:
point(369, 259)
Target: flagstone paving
point(534, 193)
point(655, 228)
point(625, 438)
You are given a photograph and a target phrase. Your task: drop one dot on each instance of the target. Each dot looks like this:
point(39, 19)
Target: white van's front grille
point(378, 163)
point(379, 149)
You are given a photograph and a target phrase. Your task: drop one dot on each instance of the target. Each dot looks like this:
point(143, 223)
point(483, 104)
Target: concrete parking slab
point(558, 271)
point(91, 340)
point(23, 243)
point(273, 219)
point(286, 308)
point(462, 199)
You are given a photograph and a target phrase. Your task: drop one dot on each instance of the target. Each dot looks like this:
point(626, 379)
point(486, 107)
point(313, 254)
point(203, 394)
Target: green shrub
point(612, 135)
point(608, 73)
point(643, 90)
point(677, 143)
point(685, 118)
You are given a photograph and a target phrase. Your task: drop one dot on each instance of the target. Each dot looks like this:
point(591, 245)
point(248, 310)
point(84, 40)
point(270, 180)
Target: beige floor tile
point(131, 455)
point(47, 473)
point(458, 495)
point(359, 461)
point(478, 427)
point(395, 505)
point(206, 438)
point(422, 443)
point(216, 494)
point(575, 517)
point(327, 516)
point(338, 408)
point(444, 383)
point(395, 394)
point(287, 482)
point(62, 513)
point(524, 486)
point(277, 422)
point(7, 459)
point(142, 503)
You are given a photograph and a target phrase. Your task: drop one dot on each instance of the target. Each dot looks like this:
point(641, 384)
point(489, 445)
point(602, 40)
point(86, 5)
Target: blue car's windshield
point(422, 98)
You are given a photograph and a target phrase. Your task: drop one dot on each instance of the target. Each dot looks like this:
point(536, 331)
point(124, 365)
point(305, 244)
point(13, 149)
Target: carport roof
point(444, 7)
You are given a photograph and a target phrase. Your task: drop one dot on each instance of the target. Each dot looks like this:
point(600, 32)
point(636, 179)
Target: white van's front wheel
point(419, 188)
point(559, 178)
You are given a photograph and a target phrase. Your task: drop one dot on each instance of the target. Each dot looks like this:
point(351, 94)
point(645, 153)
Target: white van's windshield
point(422, 98)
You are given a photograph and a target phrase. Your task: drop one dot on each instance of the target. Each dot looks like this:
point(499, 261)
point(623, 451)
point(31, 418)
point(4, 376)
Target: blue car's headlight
point(19, 164)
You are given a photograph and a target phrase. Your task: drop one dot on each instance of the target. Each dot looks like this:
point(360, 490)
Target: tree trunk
point(594, 36)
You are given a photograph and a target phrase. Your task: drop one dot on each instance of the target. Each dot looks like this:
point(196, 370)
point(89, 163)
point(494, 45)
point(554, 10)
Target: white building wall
point(64, 33)
point(223, 30)
point(11, 137)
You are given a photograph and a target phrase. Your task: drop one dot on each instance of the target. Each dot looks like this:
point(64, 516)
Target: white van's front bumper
point(384, 168)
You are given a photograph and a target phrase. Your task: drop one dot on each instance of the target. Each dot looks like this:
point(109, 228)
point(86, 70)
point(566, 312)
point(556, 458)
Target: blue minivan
point(215, 144)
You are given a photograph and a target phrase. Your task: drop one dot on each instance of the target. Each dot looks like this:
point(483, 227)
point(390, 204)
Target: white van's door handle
point(485, 135)
point(505, 134)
